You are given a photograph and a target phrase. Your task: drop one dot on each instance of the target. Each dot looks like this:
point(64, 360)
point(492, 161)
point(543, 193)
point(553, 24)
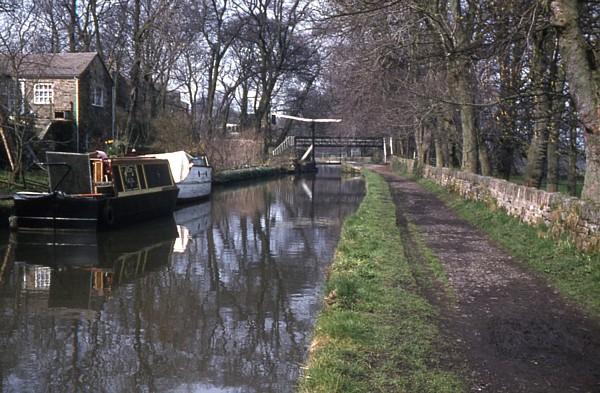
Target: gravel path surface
point(514, 330)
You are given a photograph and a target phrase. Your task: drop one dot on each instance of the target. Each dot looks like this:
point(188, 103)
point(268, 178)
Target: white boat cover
point(179, 161)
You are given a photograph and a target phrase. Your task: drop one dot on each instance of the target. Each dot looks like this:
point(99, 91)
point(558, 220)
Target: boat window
point(97, 170)
point(117, 179)
point(143, 181)
point(129, 177)
point(200, 161)
point(157, 175)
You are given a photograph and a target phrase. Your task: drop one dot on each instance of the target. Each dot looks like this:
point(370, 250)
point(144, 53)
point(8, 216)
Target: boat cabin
point(97, 175)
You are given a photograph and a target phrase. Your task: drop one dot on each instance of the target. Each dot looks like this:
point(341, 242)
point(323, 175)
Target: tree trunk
point(572, 170)
point(542, 114)
point(553, 159)
point(447, 131)
point(401, 151)
point(591, 182)
point(96, 23)
point(507, 142)
point(244, 105)
point(263, 125)
point(72, 26)
point(135, 76)
point(484, 158)
point(557, 86)
point(213, 75)
point(422, 142)
point(463, 91)
point(536, 154)
point(583, 82)
point(439, 155)
point(54, 35)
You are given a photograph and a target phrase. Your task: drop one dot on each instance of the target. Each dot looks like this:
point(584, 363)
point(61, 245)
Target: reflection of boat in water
point(192, 221)
point(90, 248)
point(79, 271)
point(97, 192)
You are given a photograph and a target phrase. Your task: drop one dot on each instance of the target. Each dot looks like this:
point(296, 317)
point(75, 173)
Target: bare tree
point(273, 29)
point(582, 75)
point(16, 126)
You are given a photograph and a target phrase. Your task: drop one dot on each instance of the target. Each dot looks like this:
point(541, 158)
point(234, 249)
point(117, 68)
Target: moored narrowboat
point(92, 191)
point(192, 175)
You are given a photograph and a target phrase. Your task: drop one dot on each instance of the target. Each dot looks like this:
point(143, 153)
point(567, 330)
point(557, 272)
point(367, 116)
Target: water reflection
point(227, 306)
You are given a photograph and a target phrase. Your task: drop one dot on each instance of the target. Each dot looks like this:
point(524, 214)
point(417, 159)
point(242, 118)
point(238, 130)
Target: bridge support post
point(312, 135)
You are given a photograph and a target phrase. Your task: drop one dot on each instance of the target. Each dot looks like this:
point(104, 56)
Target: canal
point(221, 298)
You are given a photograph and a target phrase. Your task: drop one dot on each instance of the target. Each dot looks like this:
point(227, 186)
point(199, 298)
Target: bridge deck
point(304, 142)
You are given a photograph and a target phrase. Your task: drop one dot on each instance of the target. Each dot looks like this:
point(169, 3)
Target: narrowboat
point(94, 192)
point(192, 175)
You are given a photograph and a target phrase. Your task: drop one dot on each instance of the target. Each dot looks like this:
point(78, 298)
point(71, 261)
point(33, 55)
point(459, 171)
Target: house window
point(97, 96)
point(43, 93)
point(43, 276)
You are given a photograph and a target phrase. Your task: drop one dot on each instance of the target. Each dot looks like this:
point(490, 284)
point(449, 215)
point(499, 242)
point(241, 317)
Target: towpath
point(514, 332)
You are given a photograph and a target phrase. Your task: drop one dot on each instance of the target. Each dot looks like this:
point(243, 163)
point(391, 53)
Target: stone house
point(9, 91)
point(69, 96)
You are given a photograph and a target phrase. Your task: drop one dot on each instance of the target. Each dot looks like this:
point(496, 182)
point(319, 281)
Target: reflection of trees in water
point(235, 309)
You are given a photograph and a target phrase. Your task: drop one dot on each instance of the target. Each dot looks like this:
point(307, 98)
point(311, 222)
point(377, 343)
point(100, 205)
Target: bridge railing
point(288, 143)
point(303, 142)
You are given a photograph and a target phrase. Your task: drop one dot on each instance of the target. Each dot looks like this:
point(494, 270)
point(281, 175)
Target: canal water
point(221, 298)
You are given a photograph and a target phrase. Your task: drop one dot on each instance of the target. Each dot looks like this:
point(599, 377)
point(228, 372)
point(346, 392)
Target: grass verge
point(574, 273)
point(234, 175)
point(375, 332)
point(428, 269)
point(34, 180)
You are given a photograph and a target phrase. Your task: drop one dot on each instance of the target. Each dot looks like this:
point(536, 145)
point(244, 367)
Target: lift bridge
point(303, 146)
point(306, 145)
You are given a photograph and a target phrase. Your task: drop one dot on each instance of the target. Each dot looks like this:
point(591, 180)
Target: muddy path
point(514, 331)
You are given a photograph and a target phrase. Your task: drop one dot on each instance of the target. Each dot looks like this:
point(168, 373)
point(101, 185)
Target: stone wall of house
point(9, 93)
point(64, 91)
point(95, 121)
point(577, 219)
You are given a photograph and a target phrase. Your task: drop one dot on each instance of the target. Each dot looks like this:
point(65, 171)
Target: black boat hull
point(56, 211)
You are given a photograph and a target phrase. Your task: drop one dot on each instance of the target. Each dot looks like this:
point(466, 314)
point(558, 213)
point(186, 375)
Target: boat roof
point(179, 163)
point(137, 159)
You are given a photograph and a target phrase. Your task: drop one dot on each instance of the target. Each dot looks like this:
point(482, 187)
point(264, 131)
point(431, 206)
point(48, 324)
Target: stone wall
point(95, 121)
point(563, 215)
point(64, 91)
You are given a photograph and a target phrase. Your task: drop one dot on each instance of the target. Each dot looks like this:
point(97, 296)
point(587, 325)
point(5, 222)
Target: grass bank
point(234, 175)
point(375, 332)
point(33, 180)
point(574, 273)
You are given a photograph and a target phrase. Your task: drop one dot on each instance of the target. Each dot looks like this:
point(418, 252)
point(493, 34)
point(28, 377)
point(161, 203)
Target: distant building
point(68, 94)
point(174, 104)
point(232, 128)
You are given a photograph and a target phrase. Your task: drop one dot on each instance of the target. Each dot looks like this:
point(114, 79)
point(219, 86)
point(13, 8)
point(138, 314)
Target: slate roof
point(54, 65)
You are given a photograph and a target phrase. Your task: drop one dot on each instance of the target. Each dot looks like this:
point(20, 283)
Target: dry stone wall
point(574, 218)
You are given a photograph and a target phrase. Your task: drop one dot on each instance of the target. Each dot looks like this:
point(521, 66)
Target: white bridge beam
point(306, 120)
point(307, 153)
